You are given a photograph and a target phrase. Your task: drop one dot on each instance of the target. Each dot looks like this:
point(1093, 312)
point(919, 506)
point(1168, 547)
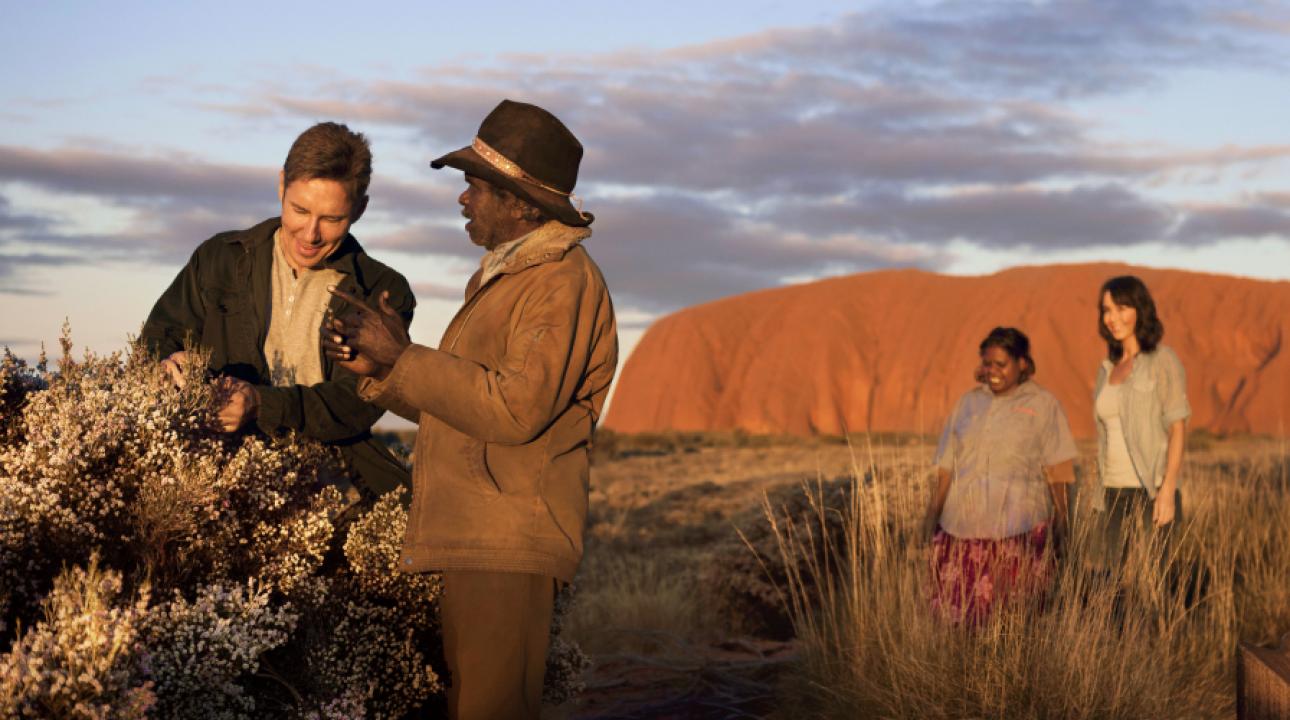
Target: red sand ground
point(892, 351)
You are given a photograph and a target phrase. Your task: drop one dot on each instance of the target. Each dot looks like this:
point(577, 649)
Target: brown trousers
point(496, 627)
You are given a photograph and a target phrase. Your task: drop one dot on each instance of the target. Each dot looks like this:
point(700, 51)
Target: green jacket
point(221, 301)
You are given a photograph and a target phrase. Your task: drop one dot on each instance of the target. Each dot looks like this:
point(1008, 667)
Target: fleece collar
point(547, 243)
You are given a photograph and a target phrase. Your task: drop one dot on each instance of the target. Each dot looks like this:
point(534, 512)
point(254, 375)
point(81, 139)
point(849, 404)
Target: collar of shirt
point(343, 259)
point(1020, 392)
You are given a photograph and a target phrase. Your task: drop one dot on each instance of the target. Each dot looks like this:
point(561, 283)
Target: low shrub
point(151, 565)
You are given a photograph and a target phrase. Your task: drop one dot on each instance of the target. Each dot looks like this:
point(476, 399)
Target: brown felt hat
point(528, 151)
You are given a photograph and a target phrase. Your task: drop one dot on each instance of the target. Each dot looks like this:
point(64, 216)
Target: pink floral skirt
point(970, 576)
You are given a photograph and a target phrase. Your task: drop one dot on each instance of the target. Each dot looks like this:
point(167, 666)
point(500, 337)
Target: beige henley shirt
point(292, 348)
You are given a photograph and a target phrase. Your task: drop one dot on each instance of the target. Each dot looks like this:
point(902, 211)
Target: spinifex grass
point(1152, 638)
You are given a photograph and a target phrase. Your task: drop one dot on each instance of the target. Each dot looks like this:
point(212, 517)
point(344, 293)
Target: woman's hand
point(1060, 479)
point(1162, 512)
point(935, 505)
point(928, 529)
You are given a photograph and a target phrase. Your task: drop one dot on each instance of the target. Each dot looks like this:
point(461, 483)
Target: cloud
point(665, 251)
point(1207, 224)
point(1008, 217)
point(173, 201)
point(874, 142)
point(12, 265)
point(129, 179)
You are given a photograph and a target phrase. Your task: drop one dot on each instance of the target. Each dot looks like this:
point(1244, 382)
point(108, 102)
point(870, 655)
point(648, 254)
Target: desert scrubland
point(153, 567)
point(672, 598)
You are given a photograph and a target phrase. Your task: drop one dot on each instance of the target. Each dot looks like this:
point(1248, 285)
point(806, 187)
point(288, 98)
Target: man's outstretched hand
point(366, 341)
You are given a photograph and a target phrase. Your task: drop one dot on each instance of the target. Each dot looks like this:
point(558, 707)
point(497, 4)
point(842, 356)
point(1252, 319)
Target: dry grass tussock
point(1154, 638)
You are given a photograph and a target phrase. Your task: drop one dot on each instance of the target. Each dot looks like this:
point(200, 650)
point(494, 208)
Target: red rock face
point(893, 350)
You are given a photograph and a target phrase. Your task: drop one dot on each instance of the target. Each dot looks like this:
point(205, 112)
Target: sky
point(730, 146)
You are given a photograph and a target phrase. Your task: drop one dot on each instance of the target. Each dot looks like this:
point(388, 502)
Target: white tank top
point(1118, 472)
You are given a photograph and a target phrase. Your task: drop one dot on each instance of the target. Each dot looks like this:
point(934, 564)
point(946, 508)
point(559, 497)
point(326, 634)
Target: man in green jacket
point(256, 298)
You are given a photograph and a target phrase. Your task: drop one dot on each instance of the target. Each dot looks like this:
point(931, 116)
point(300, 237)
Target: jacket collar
point(548, 243)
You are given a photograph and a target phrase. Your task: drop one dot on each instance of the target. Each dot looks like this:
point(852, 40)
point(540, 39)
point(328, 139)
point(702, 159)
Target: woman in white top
point(1140, 406)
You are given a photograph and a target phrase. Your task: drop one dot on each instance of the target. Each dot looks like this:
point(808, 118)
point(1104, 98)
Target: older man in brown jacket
point(505, 409)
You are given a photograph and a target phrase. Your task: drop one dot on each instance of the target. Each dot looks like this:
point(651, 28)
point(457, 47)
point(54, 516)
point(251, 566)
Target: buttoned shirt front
point(996, 448)
point(292, 347)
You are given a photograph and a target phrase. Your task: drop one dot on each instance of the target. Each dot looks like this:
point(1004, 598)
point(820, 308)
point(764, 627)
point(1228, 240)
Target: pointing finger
point(385, 304)
point(356, 302)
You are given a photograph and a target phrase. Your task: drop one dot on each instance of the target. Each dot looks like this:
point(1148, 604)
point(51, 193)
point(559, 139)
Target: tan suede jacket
point(505, 410)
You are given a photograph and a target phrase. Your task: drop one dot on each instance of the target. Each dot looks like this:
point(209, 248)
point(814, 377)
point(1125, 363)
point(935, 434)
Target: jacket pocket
point(228, 328)
point(475, 455)
point(515, 470)
point(1143, 385)
point(222, 301)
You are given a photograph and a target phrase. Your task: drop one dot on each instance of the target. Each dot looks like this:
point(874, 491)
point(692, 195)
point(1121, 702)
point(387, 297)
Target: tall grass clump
point(1153, 637)
point(153, 566)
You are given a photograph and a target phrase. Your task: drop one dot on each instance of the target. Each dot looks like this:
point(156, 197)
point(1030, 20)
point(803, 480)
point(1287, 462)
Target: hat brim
point(554, 204)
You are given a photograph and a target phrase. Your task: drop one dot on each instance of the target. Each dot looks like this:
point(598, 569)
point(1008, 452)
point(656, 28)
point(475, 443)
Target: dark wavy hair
point(1015, 343)
point(1130, 291)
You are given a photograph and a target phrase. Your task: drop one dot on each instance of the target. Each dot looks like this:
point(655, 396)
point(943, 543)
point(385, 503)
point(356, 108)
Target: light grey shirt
point(995, 448)
point(1152, 398)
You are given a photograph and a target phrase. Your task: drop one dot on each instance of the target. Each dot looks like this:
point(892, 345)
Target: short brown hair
point(331, 151)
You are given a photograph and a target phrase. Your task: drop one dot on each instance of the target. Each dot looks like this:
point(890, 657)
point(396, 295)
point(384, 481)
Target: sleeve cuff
point(268, 416)
point(387, 393)
point(370, 389)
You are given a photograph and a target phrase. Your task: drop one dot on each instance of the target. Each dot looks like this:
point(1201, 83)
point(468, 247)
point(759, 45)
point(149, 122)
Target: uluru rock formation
point(892, 351)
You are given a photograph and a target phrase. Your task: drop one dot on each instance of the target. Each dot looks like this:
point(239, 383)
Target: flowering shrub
point(224, 630)
point(81, 661)
point(565, 662)
point(153, 566)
